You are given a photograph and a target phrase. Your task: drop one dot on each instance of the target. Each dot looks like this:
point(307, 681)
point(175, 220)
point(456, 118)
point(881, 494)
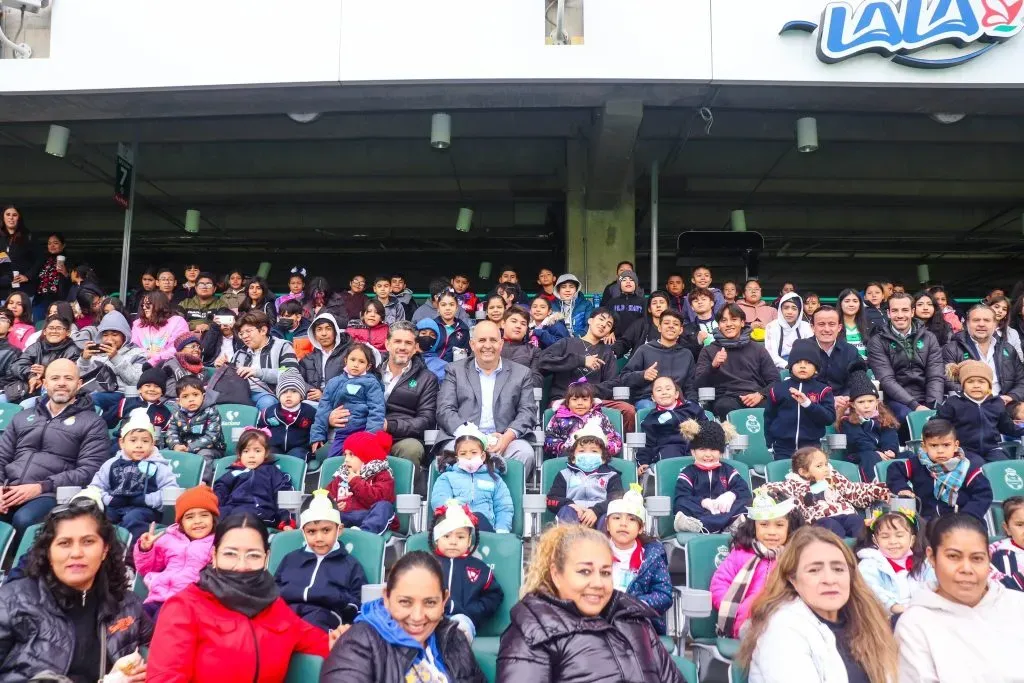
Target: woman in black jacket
point(74, 612)
point(21, 253)
point(405, 635)
point(572, 626)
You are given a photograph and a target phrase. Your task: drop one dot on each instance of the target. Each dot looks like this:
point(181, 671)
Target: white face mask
point(472, 464)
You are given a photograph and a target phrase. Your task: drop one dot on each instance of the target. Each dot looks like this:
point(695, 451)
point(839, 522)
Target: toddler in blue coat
point(252, 482)
point(321, 582)
point(872, 431)
point(468, 475)
point(710, 495)
point(800, 407)
point(360, 391)
point(473, 593)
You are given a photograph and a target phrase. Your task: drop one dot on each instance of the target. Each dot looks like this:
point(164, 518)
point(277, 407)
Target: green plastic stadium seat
point(234, 418)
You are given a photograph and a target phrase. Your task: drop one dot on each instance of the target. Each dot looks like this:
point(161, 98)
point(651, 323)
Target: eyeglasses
point(55, 328)
point(253, 559)
point(204, 284)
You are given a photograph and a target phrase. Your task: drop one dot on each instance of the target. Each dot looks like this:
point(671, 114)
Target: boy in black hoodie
point(979, 417)
point(628, 306)
point(474, 594)
point(798, 408)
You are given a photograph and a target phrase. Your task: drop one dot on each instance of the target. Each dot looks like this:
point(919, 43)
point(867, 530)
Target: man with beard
point(59, 442)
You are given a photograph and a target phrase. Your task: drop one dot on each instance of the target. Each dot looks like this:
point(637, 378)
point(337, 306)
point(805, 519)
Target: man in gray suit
point(494, 394)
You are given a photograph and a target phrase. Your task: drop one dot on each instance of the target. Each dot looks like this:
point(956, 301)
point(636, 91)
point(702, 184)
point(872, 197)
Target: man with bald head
point(59, 442)
point(493, 393)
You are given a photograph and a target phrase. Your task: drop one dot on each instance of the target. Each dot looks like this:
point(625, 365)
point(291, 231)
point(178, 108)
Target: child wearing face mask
point(290, 324)
point(455, 332)
point(428, 338)
point(363, 489)
point(639, 568)
point(359, 390)
point(756, 545)
point(580, 406)
point(468, 475)
point(474, 595)
point(580, 492)
point(664, 440)
point(710, 495)
point(892, 559)
point(825, 497)
point(870, 427)
point(980, 418)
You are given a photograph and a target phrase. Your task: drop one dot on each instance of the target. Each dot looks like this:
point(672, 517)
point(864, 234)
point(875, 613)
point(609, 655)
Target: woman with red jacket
point(231, 626)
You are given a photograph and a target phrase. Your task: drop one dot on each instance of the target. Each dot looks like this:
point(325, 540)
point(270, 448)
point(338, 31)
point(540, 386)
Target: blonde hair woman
point(817, 620)
point(571, 625)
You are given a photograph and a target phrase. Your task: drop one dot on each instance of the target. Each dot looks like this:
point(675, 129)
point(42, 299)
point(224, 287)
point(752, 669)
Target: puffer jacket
point(240, 489)
point(318, 368)
point(158, 475)
point(843, 496)
point(196, 431)
point(36, 635)
point(891, 588)
point(172, 564)
point(550, 331)
point(576, 313)
point(723, 577)
point(362, 396)
point(549, 640)
point(484, 493)
point(412, 403)
point(1009, 371)
point(43, 353)
point(376, 649)
point(371, 336)
point(66, 450)
point(8, 354)
point(127, 363)
point(565, 423)
point(661, 426)
point(916, 381)
point(652, 584)
point(591, 490)
point(199, 640)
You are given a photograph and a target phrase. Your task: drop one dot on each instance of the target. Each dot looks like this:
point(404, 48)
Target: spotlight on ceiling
point(738, 220)
point(309, 117)
point(57, 141)
point(465, 220)
point(807, 134)
point(441, 131)
point(192, 221)
point(947, 118)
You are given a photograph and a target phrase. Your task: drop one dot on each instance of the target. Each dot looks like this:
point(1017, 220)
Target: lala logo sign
point(899, 29)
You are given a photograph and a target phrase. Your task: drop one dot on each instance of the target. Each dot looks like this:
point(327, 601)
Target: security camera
point(31, 6)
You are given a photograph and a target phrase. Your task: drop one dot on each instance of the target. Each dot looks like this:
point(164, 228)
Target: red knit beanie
point(369, 446)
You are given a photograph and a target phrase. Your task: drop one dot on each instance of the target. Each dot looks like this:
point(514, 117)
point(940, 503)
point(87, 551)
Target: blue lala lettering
point(896, 29)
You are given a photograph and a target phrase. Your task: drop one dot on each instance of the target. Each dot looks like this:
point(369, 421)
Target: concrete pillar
point(596, 240)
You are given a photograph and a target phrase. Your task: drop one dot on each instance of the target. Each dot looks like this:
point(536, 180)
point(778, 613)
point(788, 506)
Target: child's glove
point(708, 504)
point(725, 502)
point(286, 524)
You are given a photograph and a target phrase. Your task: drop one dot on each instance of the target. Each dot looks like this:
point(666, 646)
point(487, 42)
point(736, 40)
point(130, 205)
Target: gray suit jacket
point(459, 399)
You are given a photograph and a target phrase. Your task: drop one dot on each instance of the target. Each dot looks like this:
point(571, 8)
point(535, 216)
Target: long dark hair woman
point(232, 626)
point(157, 326)
point(927, 311)
point(856, 330)
point(20, 250)
point(73, 613)
point(405, 635)
point(258, 298)
point(320, 298)
point(54, 281)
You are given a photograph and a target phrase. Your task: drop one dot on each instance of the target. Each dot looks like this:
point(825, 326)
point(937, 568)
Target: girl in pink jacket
point(755, 546)
point(156, 328)
point(170, 561)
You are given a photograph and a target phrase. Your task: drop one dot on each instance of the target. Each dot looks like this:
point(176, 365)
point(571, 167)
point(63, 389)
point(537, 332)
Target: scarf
point(736, 343)
point(737, 590)
point(49, 277)
point(949, 477)
point(247, 593)
point(192, 364)
point(366, 472)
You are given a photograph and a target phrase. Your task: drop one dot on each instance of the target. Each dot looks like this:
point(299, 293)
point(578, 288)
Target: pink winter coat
point(158, 342)
point(18, 334)
point(727, 571)
point(173, 563)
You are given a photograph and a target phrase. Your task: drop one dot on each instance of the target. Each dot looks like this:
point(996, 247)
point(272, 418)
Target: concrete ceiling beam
point(610, 153)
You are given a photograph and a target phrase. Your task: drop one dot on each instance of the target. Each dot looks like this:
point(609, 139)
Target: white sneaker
point(685, 524)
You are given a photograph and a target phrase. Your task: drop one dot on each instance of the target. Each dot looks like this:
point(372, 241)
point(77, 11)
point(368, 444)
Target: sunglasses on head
point(75, 505)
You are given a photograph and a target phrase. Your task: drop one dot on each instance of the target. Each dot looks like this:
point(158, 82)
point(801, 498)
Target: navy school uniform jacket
point(973, 498)
point(287, 434)
point(695, 484)
point(979, 427)
point(253, 490)
point(664, 440)
point(834, 369)
point(159, 414)
point(788, 425)
point(472, 586)
point(325, 591)
point(868, 436)
point(457, 339)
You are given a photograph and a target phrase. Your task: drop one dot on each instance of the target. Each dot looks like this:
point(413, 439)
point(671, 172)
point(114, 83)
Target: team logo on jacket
point(813, 398)
point(304, 423)
point(70, 421)
point(412, 384)
point(905, 30)
point(472, 573)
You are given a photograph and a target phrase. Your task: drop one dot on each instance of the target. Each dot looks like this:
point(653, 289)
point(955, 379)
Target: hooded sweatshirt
point(156, 475)
point(376, 615)
point(674, 361)
point(318, 367)
point(940, 640)
point(127, 363)
point(434, 362)
point(780, 335)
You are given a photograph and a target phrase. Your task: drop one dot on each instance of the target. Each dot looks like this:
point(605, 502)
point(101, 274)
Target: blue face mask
point(588, 462)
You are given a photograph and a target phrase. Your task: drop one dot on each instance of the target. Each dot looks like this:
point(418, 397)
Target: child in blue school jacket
point(291, 420)
point(359, 390)
point(321, 582)
point(710, 495)
point(942, 476)
point(799, 408)
point(872, 431)
point(474, 593)
point(980, 418)
point(252, 482)
point(661, 425)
